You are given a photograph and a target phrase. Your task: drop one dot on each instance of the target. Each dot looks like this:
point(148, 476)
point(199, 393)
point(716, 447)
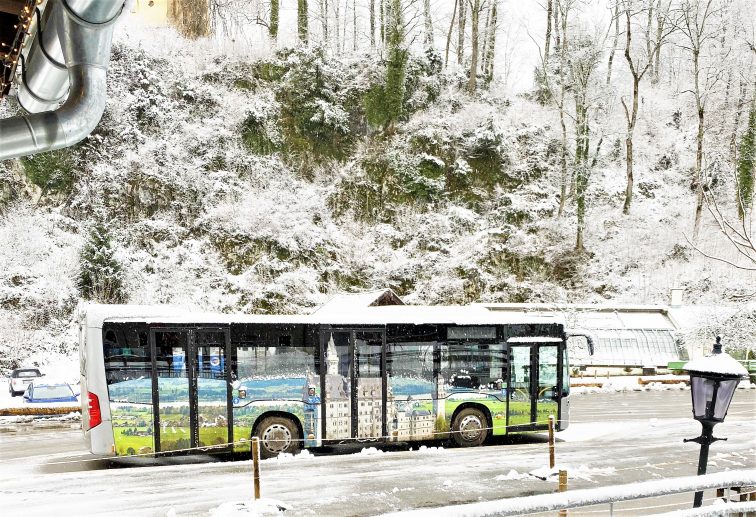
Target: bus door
point(353, 387)
point(190, 388)
point(533, 392)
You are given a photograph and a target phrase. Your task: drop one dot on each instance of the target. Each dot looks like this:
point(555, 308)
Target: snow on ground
point(614, 438)
point(586, 385)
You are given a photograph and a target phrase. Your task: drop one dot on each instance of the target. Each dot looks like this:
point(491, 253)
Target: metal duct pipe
point(44, 79)
point(85, 30)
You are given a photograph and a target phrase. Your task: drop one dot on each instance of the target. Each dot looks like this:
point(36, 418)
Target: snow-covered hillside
point(259, 186)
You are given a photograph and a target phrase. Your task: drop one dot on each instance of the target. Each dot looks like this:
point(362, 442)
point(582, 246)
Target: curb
point(23, 411)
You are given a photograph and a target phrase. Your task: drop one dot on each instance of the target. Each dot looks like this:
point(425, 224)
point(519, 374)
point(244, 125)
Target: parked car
point(42, 392)
point(20, 379)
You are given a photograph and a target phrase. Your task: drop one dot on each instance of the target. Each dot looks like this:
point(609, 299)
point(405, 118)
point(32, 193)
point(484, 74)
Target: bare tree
point(615, 41)
point(451, 29)
point(461, 22)
point(490, 48)
point(302, 21)
point(662, 14)
point(428, 23)
point(275, 16)
point(697, 27)
point(583, 63)
point(372, 23)
point(354, 25)
point(476, 7)
point(383, 22)
point(639, 66)
point(324, 19)
point(547, 44)
point(739, 233)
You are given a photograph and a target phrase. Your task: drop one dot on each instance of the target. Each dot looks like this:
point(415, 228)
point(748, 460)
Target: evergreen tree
point(396, 68)
point(101, 275)
point(746, 164)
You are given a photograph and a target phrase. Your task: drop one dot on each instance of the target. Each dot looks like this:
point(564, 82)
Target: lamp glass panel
point(702, 391)
point(724, 397)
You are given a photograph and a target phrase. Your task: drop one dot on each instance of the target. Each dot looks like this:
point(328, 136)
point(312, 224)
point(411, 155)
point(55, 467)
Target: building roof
point(596, 317)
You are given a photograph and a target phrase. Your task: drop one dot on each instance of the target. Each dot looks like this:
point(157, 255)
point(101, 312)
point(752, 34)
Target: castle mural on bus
point(416, 408)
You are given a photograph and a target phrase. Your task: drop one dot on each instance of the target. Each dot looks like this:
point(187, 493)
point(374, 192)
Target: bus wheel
point(469, 428)
point(278, 434)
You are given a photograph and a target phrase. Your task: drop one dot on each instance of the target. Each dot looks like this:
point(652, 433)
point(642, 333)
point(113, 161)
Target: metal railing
point(597, 496)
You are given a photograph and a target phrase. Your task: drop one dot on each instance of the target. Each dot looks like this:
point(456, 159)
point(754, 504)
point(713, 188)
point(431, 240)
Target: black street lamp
point(713, 380)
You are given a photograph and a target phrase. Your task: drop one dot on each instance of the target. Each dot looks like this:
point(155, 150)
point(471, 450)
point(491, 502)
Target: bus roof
point(95, 314)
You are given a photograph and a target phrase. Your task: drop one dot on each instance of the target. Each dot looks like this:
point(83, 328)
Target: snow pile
point(431, 450)
point(260, 507)
point(371, 451)
point(579, 472)
point(512, 475)
point(302, 455)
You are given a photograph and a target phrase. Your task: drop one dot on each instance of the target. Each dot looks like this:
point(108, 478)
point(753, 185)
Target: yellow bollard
point(552, 460)
point(256, 465)
point(562, 488)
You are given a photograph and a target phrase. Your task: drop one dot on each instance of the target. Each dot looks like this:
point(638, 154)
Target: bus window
point(410, 369)
point(128, 371)
point(127, 358)
point(472, 365)
point(270, 364)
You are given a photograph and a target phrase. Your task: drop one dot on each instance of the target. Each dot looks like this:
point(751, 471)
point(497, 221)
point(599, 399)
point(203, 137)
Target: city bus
point(159, 379)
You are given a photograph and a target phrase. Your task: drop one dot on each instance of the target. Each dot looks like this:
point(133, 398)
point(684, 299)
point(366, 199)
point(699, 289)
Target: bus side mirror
point(588, 338)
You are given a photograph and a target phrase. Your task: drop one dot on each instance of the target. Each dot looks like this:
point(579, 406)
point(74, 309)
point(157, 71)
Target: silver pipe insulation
point(83, 30)
point(44, 81)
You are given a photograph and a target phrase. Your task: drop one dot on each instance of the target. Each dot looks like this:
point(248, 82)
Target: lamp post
point(713, 380)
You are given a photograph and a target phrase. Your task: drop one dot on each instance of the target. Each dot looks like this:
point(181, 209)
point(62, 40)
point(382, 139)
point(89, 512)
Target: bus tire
point(278, 435)
point(469, 428)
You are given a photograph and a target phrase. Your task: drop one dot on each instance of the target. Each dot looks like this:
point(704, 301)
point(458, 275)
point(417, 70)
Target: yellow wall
point(155, 14)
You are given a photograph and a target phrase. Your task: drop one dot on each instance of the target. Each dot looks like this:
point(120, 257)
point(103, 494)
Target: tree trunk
point(372, 23)
point(472, 82)
point(736, 123)
point(699, 175)
point(629, 146)
point(449, 34)
point(649, 27)
point(547, 44)
point(302, 21)
point(614, 44)
point(275, 16)
point(484, 47)
point(491, 47)
point(561, 46)
point(337, 24)
point(428, 23)
point(557, 43)
point(660, 22)
point(324, 20)
point(461, 32)
point(354, 25)
point(631, 116)
point(383, 22)
point(563, 161)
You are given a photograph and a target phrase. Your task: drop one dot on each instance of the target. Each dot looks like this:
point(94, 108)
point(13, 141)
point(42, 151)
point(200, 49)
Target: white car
point(20, 379)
